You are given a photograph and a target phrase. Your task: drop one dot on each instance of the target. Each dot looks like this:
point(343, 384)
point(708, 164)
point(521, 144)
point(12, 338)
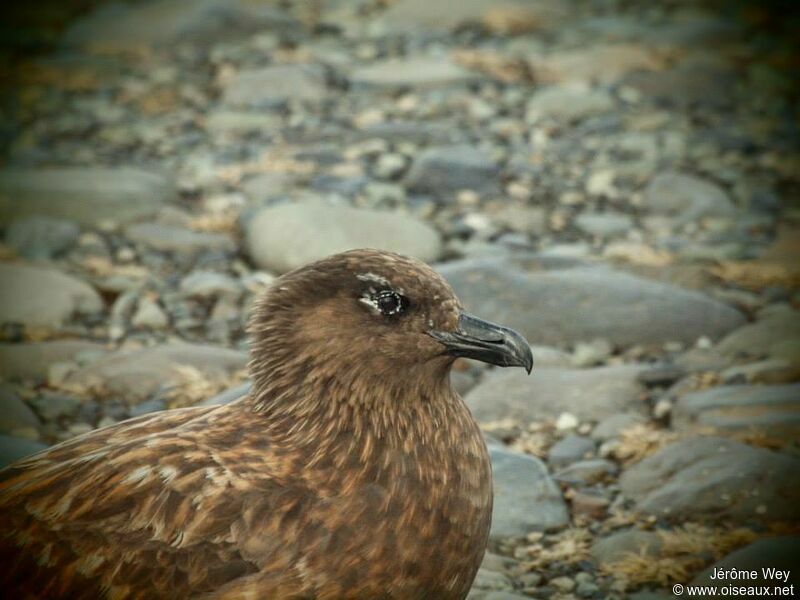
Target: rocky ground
point(616, 180)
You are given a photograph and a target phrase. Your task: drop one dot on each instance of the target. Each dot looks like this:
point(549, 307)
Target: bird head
point(370, 311)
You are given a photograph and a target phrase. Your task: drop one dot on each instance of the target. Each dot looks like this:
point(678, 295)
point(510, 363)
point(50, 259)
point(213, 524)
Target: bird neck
point(300, 399)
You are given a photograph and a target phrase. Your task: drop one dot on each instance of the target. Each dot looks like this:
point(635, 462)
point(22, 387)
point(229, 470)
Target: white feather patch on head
point(369, 298)
point(373, 278)
point(370, 301)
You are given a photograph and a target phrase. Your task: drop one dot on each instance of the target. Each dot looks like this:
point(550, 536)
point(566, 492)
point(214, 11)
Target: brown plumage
point(352, 470)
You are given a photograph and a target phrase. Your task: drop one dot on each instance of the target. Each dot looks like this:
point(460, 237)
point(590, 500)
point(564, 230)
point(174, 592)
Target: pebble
point(15, 414)
point(587, 394)
point(562, 584)
point(567, 104)
point(587, 472)
point(604, 225)
point(33, 360)
point(138, 374)
point(687, 196)
point(444, 171)
point(284, 237)
point(419, 72)
point(773, 410)
point(43, 297)
point(763, 337)
point(570, 449)
point(590, 354)
point(14, 448)
point(521, 481)
point(167, 238)
point(748, 483)
point(149, 315)
point(572, 305)
point(271, 87)
point(167, 23)
point(86, 195)
point(611, 426)
point(208, 284)
point(41, 237)
point(390, 165)
point(418, 15)
point(53, 406)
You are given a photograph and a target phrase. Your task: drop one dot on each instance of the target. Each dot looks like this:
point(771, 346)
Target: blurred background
point(617, 180)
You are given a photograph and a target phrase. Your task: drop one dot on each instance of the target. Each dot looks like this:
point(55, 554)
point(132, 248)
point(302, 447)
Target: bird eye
point(390, 302)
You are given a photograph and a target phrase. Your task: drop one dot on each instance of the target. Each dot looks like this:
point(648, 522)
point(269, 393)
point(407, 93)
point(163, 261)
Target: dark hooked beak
point(486, 342)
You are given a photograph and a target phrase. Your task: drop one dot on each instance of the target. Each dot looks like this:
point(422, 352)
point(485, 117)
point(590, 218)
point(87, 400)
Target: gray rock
point(209, 284)
point(686, 197)
point(586, 472)
point(228, 396)
point(522, 219)
point(52, 406)
point(413, 15)
point(33, 360)
point(14, 413)
point(547, 356)
point(498, 595)
point(569, 450)
point(651, 595)
point(43, 297)
point(122, 26)
point(420, 72)
point(773, 370)
point(137, 374)
point(590, 354)
point(287, 236)
point(776, 553)
point(266, 186)
point(697, 360)
point(497, 562)
point(598, 63)
point(690, 83)
point(272, 86)
point(148, 406)
point(617, 546)
point(566, 306)
point(763, 337)
point(608, 224)
point(715, 478)
point(41, 237)
point(525, 497)
point(443, 171)
point(492, 580)
point(13, 448)
point(567, 104)
point(86, 195)
point(589, 394)
point(611, 426)
point(773, 410)
point(696, 30)
point(236, 122)
point(168, 238)
point(149, 315)
point(389, 165)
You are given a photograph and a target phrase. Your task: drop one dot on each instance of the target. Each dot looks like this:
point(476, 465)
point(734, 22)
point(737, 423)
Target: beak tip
point(528, 365)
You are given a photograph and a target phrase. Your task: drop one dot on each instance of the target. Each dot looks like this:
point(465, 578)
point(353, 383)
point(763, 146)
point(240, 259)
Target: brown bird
point(352, 470)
